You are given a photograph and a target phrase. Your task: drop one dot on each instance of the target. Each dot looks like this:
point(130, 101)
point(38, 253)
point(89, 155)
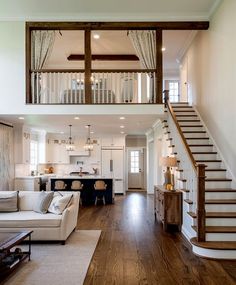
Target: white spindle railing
point(62, 87)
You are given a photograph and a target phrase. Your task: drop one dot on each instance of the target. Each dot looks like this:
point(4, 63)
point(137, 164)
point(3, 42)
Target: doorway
point(136, 169)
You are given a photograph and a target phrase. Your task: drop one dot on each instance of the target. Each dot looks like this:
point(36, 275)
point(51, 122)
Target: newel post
point(201, 213)
point(166, 97)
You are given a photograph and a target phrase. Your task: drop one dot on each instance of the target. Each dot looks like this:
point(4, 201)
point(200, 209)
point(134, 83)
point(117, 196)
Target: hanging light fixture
point(88, 145)
point(70, 145)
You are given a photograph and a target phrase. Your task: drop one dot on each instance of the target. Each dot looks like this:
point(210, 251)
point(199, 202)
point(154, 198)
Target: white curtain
point(6, 158)
point(144, 43)
point(41, 47)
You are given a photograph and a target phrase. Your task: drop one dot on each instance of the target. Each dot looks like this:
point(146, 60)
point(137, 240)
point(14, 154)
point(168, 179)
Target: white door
point(184, 82)
point(136, 169)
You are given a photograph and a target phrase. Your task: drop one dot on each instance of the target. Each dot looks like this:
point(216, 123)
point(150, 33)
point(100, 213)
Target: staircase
point(220, 198)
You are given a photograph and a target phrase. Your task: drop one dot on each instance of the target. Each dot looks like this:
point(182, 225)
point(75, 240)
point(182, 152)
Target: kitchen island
point(88, 194)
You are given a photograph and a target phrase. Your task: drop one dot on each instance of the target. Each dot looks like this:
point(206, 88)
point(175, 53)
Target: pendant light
point(88, 145)
point(70, 145)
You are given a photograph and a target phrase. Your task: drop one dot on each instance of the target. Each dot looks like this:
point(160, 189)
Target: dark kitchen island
point(88, 194)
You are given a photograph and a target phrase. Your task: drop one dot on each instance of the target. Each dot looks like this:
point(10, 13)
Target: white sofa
point(47, 227)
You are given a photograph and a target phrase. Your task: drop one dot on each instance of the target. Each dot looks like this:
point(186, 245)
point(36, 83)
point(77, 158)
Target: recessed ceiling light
point(96, 36)
point(61, 132)
point(92, 132)
point(122, 118)
point(76, 118)
point(122, 133)
point(163, 49)
point(21, 118)
point(122, 127)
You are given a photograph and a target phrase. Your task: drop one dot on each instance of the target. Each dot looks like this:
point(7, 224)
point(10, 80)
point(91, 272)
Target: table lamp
point(169, 178)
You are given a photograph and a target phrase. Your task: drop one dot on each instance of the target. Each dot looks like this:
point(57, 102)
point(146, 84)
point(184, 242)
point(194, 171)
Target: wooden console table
point(168, 206)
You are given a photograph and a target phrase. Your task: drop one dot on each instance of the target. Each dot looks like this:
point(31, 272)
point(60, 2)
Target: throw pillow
point(43, 202)
point(59, 203)
point(8, 201)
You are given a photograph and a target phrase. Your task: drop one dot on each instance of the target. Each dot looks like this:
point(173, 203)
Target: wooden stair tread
point(215, 215)
point(204, 152)
point(188, 120)
point(172, 145)
point(184, 190)
point(224, 245)
point(186, 115)
point(188, 201)
point(215, 169)
point(221, 190)
point(194, 132)
point(191, 126)
point(197, 138)
point(200, 145)
point(208, 160)
point(183, 180)
point(184, 111)
point(179, 170)
point(182, 102)
point(219, 229)
point(218, 179)
point(187, 106)
point(220, 201)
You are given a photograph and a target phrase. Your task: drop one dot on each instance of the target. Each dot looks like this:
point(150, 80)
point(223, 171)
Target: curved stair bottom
point(214, 250)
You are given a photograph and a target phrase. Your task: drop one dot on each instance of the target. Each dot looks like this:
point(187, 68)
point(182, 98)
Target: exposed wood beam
point(88, 57)
point(180, 25)
point(106, 57)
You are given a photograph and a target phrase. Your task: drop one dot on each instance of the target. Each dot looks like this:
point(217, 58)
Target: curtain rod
point(6, 125)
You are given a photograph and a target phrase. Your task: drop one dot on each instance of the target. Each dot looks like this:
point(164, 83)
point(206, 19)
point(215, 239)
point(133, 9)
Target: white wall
point(211, 78)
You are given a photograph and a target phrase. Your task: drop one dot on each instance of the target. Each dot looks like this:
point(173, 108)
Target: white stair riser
point(195, 135)
point(200, 148)
point(220, 208)
point(182, 109)
point(205, 156)
point(221, 222)
point(185, 113)
point(220, 195)
point(217, 184)
point(211, 164)
point(221, 237)
point(188, 123)
point(215, 174)
point(192, 129)
point(200, 141)
point(186, 118)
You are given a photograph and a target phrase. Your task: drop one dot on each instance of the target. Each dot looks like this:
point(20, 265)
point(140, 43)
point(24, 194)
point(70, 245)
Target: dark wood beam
point(174, 25)
point(28, 64)
point(106, 57)
point(159, 67)
point(87, 63)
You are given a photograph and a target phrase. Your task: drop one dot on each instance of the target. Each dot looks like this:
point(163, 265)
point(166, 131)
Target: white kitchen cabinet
point(27, 184)
point(56, 152)
point(113, 167)
point(113, 141)
point(21, 145)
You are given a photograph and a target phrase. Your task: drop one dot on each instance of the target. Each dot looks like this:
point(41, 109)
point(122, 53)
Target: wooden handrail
point(200, 172)
point(181, 135)
point(93, 70)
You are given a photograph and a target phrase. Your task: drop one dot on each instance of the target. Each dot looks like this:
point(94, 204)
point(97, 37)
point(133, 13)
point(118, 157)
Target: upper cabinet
point(22, 145)
point(111, 141)
point(56, 151)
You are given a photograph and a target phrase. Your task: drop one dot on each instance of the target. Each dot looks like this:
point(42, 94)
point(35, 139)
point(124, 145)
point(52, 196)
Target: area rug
point(55, 264)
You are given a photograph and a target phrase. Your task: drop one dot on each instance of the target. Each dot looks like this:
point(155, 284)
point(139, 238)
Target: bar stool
point(77, 185)
point(100, 189)
point(60, 185)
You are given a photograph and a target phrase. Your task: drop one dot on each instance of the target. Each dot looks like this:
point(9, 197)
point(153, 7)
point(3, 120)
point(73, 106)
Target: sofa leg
point(63, 242)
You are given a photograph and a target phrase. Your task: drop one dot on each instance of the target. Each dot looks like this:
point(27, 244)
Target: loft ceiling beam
point(170, 25)
point(105, 57)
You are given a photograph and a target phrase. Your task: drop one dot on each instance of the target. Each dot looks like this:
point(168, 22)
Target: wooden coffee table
point(11, 256)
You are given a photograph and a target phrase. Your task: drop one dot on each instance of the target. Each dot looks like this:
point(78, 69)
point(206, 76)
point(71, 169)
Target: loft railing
point(194, 173)
point(63, 86)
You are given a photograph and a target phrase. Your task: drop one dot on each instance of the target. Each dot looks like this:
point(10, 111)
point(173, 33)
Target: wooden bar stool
point(100, 188)
point(77, 185)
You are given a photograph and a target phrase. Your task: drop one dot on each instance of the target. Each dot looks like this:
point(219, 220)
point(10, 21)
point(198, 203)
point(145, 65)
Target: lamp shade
point(168, 161)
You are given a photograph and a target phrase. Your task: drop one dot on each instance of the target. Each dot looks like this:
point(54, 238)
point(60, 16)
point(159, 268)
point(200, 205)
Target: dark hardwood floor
point(133, 248)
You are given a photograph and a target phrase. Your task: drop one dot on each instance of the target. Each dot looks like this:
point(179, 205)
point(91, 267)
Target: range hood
point(79, 152)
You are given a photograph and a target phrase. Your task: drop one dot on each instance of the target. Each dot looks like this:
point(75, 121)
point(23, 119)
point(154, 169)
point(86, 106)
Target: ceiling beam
point(174, 25)
point(106, 57)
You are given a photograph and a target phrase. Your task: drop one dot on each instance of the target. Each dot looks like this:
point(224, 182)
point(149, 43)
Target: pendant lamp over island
point(70, 145)
point(89, 144)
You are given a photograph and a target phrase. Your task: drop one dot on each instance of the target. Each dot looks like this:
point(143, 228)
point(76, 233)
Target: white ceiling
point(105, 124)
point(108, 10)
point(112, 42)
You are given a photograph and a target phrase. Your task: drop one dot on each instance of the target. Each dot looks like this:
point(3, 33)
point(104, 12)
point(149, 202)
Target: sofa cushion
point(27, 199)
point(8, 201)
point(59, 203)
point(43, 202)
point(29, 219)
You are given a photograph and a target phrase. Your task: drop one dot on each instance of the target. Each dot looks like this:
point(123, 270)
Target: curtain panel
point(6, 158)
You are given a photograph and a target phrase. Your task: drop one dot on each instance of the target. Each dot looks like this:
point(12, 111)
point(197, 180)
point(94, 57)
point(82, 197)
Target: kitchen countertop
point(79, 177)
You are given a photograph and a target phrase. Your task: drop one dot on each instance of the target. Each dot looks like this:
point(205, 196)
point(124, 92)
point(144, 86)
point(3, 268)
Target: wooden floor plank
point(134, 249)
